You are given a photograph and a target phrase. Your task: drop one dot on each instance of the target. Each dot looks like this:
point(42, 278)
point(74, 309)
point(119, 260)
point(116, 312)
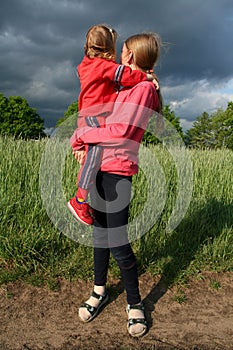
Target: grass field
point(32, 248)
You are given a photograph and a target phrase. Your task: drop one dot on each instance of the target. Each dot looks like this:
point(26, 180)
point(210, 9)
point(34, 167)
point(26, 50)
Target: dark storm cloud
point(41, 43)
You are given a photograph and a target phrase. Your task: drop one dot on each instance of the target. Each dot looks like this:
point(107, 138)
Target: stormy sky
point(41, 43)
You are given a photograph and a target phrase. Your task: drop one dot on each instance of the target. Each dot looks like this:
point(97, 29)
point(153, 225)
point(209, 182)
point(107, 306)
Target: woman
point(120, 139)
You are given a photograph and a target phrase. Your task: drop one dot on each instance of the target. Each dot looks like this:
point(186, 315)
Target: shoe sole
point(137, 335)
point(76, 216)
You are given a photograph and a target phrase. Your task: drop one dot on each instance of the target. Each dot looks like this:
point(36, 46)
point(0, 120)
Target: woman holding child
point(120, 139)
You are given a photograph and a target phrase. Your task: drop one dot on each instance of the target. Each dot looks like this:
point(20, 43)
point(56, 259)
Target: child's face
point(126, 55)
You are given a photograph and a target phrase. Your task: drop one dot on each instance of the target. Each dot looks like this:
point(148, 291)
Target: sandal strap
point(133, 321)
point(98, 296)
point(90, 309)
point(135, 307)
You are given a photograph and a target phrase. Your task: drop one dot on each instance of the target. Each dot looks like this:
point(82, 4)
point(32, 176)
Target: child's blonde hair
point(101, 42)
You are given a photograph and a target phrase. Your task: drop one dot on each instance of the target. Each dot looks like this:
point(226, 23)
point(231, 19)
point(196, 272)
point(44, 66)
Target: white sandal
point(133, 321)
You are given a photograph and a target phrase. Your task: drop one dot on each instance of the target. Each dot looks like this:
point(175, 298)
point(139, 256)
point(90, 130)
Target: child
point(100, 80)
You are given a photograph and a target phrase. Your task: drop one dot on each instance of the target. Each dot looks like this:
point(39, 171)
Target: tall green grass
point(33, 249)
point(203, 240)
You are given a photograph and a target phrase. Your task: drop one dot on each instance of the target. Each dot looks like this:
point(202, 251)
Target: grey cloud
point(39, 35)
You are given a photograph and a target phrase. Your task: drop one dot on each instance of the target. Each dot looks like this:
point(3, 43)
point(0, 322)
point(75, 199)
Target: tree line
point(18, 119)
point(209, 131)
point(212, 131)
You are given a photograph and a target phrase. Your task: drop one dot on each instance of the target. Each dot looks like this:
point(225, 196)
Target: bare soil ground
point(40, 319)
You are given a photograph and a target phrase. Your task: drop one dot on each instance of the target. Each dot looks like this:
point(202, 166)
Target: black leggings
point(110, 199)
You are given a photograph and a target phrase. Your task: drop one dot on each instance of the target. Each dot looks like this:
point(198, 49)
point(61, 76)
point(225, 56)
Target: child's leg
point(86, 177)
point(88, 171)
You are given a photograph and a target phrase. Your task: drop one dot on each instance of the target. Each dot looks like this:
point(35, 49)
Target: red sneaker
point(81, 211)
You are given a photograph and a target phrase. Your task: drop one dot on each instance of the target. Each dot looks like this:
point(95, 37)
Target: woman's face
point(126, 55)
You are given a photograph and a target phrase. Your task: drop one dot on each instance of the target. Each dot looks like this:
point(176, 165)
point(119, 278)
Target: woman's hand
point(80, 156)
point(153, 77)
point(156, 84)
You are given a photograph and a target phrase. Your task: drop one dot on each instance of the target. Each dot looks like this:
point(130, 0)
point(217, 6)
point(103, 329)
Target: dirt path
point(39, 319)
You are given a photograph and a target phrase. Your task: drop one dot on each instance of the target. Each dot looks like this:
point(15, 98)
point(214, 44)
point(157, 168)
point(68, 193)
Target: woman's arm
point(110, 135)
point(124, 121)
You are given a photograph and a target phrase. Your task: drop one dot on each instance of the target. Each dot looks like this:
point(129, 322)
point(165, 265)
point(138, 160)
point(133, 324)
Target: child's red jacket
point(100, 80)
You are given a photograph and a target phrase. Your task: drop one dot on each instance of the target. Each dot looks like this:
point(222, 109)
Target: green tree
point(173, 119)
point(72, 110)
point(18, 119)
point(201, 135)
point(212, 131)
point(222, 126)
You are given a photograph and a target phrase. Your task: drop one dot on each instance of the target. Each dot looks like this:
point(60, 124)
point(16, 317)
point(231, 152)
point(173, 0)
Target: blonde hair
point(145, 48)
point(101, 42)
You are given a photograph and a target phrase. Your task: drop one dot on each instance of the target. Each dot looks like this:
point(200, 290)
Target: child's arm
point(125, 76)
